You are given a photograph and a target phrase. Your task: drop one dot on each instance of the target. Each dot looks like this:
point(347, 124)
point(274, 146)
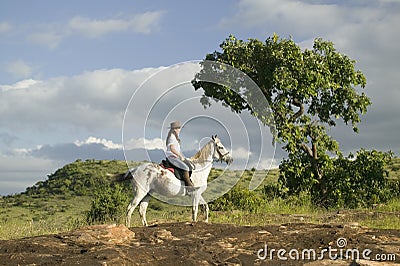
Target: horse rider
point(174, 154)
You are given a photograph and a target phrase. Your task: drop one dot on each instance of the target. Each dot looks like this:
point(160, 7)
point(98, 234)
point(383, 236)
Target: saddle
point(167, 165)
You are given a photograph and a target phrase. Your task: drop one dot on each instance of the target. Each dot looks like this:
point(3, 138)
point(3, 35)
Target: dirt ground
point(208, 244)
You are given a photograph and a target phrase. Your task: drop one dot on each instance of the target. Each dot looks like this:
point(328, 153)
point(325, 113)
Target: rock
point(264, 232)
point(165, 235)
point(105, 234)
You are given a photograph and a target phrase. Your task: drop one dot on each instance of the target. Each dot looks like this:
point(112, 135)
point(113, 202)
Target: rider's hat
point(175, 124)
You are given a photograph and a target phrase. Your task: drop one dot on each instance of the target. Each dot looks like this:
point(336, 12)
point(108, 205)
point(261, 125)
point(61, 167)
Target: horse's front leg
point(195, 206)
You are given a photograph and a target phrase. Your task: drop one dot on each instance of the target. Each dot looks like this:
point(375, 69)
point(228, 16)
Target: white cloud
point(23, 167)
point(50, 38)
point(19, 69)
point(94, 28)
point(108, 144)
point(91, 28)
point(146, 22)
point(91, 148)
point(52, 34)
point(91, 100)
point(23, 84)
point(241, 153)
point(5, 27)
point(303, 19)
point(287, 16)
point(139, 143)
point(142, 143)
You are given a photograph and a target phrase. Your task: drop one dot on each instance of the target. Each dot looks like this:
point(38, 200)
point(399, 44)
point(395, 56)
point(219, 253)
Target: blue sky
point(69, 68)
point(167, 32)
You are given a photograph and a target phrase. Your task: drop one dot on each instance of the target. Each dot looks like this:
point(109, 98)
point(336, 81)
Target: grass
point(22, 221)
point(32, 216)
point(13, 229)
point(386, 222)
point(23, 216)
point(280, 212)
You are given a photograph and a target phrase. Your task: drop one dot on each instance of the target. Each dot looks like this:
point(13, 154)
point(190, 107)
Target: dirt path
point(206, 244)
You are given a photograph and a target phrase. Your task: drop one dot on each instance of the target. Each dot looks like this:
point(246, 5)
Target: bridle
point(221, 156)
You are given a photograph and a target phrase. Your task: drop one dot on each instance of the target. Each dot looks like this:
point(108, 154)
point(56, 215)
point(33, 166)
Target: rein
point(220, 154)
point(200, 157)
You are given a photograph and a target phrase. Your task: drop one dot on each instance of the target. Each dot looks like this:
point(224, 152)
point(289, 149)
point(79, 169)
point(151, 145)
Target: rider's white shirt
point(172, 141)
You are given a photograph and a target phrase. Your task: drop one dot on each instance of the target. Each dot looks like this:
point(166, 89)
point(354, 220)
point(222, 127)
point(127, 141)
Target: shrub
point(109, 205)
point(238, 198)
point(355, 181)
point(273, 190)
point(360, 181)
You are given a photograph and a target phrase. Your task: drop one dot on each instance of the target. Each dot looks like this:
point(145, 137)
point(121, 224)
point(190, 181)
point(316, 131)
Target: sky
point(92, 79)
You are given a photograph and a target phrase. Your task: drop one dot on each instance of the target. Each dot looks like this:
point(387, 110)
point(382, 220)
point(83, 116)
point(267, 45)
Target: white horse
point(151, 178)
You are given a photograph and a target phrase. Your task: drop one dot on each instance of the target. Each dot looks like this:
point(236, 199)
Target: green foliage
point(362, 181)
point(79, 178)
point(108, 205)
point(349, 182)
point(238, 198)
point(273, 190)
point(307, 91)
point(296, 173)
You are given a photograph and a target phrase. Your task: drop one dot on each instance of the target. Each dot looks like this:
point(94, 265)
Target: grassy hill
point(79, 178)
point(57, 203)
point(61, 202)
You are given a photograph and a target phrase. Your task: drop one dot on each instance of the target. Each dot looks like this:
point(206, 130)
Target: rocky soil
point(208, 244)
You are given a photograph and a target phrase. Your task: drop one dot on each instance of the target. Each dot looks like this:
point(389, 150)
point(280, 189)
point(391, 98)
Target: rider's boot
point(188, 182)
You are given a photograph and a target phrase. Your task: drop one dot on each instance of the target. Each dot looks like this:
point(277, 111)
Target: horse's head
point(220, 152)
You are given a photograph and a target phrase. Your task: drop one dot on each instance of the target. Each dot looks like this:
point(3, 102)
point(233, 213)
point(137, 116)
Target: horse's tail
point(128, 175)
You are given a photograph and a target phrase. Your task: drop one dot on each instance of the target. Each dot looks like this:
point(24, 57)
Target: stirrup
point(190, 190)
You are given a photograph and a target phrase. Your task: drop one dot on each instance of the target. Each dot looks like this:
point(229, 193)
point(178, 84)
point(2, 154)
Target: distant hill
point(394, 169)
point(79, 178)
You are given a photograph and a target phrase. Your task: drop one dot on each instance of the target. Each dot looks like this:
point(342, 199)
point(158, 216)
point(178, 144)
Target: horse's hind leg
point(143, 207)
point(206, 209)
point(140, 194)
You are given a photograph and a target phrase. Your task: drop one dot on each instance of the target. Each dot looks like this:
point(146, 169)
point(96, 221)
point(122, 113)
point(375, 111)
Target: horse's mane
point(202, 155)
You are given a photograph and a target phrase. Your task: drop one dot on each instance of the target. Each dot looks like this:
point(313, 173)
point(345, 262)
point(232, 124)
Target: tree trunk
point(312, 152)
point(313, 155)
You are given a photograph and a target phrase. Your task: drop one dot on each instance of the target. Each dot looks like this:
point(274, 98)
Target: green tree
point(109, 204)
point(360, 180)
point(308, 91)
point(354, 181)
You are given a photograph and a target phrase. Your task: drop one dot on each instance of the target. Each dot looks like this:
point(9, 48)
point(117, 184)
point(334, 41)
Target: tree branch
point(300, 112)
point(307, 150)
point(314, 150)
